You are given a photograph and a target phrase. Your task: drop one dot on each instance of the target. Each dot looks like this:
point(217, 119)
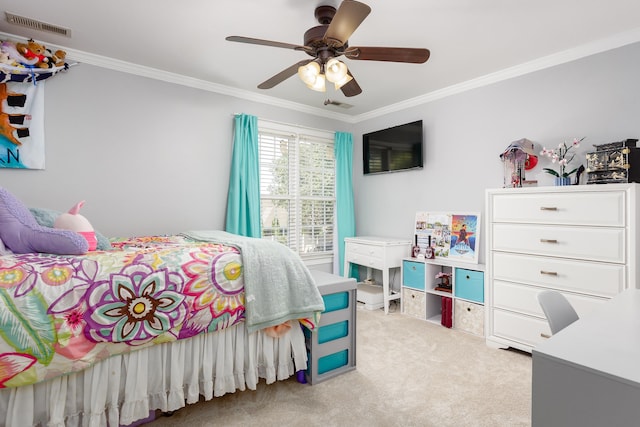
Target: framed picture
point(448, 235)
point(465, 235)
point(432, 230)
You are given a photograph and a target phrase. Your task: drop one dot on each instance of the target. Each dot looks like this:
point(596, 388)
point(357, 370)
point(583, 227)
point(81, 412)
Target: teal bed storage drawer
point(413, 275)
point(337, 301)
point(329, 332)
point(469, 285)
point(333, 332)
point(333, 361)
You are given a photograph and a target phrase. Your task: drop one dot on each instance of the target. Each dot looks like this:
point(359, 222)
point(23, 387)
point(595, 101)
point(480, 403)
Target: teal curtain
point(345, 212)
point(243, 200)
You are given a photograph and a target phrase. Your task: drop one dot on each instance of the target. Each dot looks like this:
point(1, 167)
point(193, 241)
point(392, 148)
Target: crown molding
point(598, 46)
point(82, 57)
point(154, 73)
point(588, 49)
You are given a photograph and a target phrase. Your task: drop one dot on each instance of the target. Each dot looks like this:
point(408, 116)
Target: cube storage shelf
point(331, 349)
point(463, 307)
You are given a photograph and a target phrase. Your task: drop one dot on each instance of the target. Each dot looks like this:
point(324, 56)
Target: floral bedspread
point(61, 314)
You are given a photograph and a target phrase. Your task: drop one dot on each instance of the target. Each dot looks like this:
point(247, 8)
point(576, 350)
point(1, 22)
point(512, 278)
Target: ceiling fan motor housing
point(314, 38)
point(324, 14)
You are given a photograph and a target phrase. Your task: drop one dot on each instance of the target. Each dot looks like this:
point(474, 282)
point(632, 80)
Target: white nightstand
point(379, 253)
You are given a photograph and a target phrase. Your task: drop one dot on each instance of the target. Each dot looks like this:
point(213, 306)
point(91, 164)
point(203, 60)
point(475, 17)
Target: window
point(297, 188)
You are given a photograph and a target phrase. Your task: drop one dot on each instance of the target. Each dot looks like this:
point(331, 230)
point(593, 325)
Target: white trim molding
point(598, 46)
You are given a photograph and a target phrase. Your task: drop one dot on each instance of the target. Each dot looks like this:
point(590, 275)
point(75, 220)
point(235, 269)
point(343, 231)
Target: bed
point(156, 322)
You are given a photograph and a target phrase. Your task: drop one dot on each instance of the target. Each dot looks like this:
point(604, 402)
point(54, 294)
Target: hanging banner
point(22, 125)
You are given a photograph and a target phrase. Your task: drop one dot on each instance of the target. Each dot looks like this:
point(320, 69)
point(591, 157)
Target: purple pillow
point(21, 233)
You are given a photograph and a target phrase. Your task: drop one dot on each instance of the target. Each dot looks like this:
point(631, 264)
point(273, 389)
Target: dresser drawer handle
point(548, 273)
point(547, 208)
point(548, 241)
point(543, 335)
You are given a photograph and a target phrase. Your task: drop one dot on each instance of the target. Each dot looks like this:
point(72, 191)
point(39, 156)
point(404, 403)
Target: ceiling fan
point(328, 41)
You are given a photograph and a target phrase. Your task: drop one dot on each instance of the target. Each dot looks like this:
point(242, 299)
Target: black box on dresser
point(615, 162)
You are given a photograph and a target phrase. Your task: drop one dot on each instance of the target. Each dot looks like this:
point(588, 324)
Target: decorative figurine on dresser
point(516, 158)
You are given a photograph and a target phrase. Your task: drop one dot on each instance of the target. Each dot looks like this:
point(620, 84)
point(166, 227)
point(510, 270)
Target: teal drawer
point(469, 285)
point(330, 332)
point(413, 275)
point(337, 301)
point(333, 332)
point(333, 361)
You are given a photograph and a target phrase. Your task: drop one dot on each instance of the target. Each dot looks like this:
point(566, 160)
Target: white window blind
point(297, 190)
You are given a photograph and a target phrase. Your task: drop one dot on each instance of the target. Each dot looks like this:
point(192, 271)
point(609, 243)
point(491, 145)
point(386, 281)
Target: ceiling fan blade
point(352, 88)
point(262, 42)
point(391, 54)
point(283, 75)
point(347, 19)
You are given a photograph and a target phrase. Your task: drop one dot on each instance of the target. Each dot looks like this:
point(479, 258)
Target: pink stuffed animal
point(73, 221)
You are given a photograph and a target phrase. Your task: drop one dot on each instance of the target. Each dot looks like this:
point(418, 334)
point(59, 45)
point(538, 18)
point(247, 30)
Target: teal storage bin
point(337, 301)
point(333, 361)
point(333, 332)
point(413, 275)
point(469, 285)
point(329, 332)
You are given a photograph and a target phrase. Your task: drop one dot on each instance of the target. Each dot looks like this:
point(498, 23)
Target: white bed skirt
point(125, 388)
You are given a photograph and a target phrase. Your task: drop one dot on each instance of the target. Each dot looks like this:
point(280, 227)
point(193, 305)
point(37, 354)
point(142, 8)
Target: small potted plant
point(563, 155)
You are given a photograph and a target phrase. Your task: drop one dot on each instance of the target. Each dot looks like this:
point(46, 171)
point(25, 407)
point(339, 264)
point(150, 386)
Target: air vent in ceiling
point(12, 18)
point(337, 103)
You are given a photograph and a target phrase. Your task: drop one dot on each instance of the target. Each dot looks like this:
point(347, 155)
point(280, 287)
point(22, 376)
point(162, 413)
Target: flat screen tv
point(394, 149)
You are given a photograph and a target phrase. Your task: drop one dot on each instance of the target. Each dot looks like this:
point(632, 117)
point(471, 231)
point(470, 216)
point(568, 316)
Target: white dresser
point(379, 253)
point(579, 240)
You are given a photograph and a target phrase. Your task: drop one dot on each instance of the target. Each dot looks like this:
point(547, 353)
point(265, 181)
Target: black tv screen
point(394, 149)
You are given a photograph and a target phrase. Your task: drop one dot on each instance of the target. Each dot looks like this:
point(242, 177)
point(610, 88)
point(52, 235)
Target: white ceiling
point(471, 42)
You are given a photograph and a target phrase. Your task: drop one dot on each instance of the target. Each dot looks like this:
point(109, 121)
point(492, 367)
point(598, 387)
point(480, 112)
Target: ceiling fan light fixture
point(319, 85)
point(309, 73)
point(335, 70)
point(346, 79)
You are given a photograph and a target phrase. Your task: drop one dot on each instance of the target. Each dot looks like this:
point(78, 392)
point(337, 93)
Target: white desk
point(588, 374)
point(380, 253)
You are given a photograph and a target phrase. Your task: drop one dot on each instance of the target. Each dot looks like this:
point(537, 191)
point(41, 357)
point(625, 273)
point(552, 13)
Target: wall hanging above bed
point(23, 66)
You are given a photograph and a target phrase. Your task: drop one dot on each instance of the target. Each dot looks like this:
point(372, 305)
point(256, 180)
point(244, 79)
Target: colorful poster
point(451, 235)
point(22, 125)
point(433, 228)
point(464, 237)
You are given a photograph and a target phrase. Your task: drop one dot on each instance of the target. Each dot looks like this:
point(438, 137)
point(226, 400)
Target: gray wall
point(149, 157)
point(152, 157)
point(597, 97)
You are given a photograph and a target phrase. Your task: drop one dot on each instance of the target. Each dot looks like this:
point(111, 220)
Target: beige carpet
point(409, 373)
